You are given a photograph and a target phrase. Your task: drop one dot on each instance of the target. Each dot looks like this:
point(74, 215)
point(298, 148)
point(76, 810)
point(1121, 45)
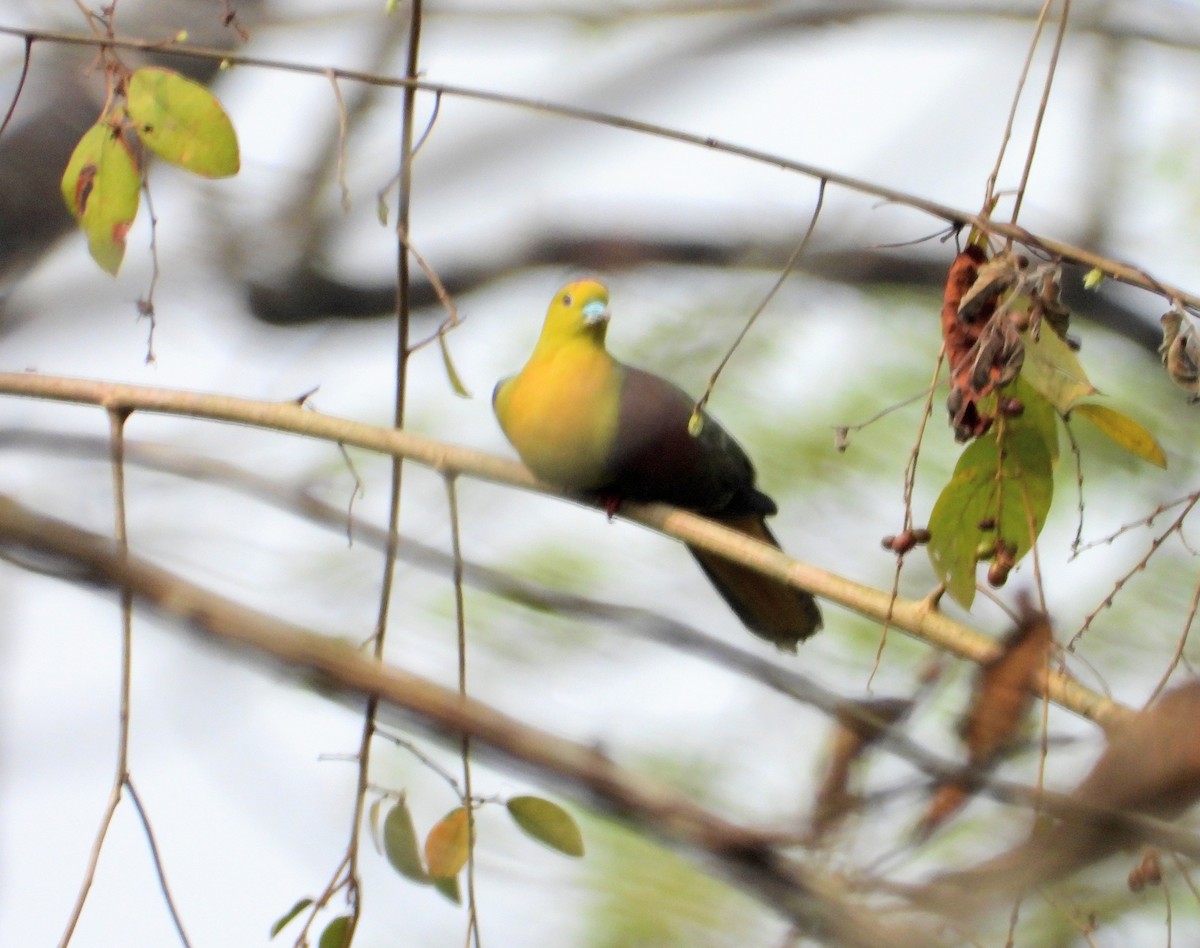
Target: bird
point(584, 422)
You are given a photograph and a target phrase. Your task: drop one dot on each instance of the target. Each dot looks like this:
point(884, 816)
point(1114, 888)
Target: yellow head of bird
point(579, 309)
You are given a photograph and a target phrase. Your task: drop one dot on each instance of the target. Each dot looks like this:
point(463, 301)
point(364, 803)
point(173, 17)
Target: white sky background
point(226, 758)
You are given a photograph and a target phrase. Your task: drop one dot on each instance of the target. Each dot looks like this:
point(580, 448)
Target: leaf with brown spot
point(101, 186)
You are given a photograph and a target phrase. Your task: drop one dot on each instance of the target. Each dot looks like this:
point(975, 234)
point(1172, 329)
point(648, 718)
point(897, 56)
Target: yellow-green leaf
point(548, 823)
point(283, 920)
point(1123, 431)
point(1003, 483)
point(337, 933)
point(1093, 278)
point(456, 381)
point(448, 844)
point(1052, 369)
point(400, 843)
point(182, 122)
point(101, 187)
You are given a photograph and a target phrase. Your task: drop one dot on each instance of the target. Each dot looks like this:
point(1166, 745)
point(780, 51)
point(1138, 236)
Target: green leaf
point(449, 888)
point(337, 933)
point(400, 843)
point(1093, 278)
point(1051, 368)
point(1001, 484)
point(548, 823)
point(284, 920)
point(448, 844)
point(1123, 431)
point(1039, 420)
point(182, 122)
point(456, 381)
point(101, 187)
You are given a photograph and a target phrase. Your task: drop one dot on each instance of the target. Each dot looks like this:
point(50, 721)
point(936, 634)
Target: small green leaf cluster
point(447, 846)
point(178, 120)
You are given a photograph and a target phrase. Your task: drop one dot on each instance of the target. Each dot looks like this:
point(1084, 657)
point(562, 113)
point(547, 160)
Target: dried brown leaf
point(1150, 768)
point(857, 725)
point(1003, 694)
point(1003, 690)
point(948, 798)
point(1152, 764)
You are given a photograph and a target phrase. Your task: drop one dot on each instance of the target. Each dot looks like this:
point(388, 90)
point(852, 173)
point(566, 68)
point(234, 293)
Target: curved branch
point(916, 617)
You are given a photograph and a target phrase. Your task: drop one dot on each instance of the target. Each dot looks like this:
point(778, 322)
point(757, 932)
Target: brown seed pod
point(1011, 407)
point(901, 543)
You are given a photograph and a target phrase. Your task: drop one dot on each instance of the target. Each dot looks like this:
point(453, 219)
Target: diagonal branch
point(745, 856)
point(916, 617)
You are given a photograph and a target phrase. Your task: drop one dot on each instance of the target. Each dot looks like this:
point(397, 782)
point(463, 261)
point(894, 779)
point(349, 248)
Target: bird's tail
point(774, 611)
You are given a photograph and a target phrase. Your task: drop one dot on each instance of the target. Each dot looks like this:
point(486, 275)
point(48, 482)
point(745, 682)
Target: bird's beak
point(596, 313)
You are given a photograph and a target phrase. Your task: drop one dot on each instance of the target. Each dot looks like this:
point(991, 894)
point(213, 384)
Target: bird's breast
point(561, 414)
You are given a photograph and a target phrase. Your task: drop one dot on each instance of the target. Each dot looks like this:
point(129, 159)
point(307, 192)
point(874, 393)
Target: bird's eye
point(566, 300)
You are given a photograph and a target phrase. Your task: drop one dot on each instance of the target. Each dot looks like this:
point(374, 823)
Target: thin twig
point(12, 106)
point(841, 433)
point(1145, 521)
point(1077, 540)
point(1175, 527)
point(989, 198)
point(910, 483)
point(403, 742)
point(116, 419)
point(397, 467)
point(766, 300)
point(343, 134)
point(1051, 70)
point(145, 305)
point(1177, 657)
point(156, 857)
point(460, 624)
